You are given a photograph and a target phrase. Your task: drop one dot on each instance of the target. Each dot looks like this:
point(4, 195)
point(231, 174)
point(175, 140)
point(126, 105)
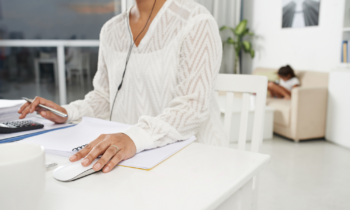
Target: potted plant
point(239, 32)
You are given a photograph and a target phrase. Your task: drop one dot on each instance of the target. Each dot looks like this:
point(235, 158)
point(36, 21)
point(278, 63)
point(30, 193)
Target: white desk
point(198, 177)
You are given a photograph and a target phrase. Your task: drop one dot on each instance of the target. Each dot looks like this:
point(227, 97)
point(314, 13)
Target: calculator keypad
point(17, 126)
point(26, 123)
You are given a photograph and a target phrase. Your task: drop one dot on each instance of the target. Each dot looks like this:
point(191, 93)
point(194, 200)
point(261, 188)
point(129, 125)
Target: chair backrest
point(76, 61)
point(85, 57)
point(246, 84)
point(312, 78)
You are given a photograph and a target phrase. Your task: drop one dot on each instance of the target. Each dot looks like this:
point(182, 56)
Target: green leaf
point(252, 53)
point(247, 32)
point(224, 28)
point(230, 41)
point(247, 46)
point(241, 28)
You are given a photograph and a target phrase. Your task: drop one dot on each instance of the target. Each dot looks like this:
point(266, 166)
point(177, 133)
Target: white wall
point(310, 48)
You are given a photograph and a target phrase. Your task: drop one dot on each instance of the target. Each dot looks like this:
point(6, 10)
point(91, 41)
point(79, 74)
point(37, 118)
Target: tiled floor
point(310, 175)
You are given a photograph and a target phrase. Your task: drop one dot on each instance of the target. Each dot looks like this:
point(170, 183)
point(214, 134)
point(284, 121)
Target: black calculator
point(18, 126)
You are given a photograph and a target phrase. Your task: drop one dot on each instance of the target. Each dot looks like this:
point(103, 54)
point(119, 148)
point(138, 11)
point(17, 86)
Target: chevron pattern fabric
point(168, 89)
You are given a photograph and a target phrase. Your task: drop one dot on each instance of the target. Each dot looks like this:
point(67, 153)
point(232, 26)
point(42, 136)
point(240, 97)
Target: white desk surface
point(198, 177)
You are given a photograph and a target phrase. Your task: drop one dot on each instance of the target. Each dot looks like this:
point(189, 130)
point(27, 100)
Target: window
point(55, 19)
point(27, 70)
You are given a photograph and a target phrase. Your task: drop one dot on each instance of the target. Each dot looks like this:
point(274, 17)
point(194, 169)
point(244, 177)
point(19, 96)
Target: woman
point(287, 81)
point(167, 90)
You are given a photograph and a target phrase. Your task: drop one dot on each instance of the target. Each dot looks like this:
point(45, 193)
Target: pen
point(48, 108)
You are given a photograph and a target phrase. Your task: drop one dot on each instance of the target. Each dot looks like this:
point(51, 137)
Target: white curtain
point(226, 12)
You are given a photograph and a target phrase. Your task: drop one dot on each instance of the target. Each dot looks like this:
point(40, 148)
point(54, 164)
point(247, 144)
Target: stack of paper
point(62, 142)
point(9, 108)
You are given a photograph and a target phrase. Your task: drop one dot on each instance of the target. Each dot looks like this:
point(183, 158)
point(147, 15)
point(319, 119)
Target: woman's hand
point(111, 156)
point(31, 107)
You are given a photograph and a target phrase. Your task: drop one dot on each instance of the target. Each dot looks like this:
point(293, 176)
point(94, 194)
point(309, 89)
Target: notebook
point(63, 142)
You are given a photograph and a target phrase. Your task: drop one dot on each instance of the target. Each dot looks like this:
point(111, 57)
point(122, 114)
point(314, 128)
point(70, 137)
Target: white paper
point(150, 158)
point(61, 142)
point(83, 133)
point(9, 108)
point(10, 103)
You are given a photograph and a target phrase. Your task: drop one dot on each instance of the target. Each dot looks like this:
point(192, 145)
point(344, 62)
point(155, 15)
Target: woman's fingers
point(25, 111)
point(51, 116)
point(114, 161)
point(86, 150)
point(38, 100)
point(98, 150)
point(82, 153)
point(109, 153)
point(23, 107)
point(34, 106)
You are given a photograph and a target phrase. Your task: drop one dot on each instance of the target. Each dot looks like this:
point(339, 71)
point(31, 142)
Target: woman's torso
point(152, 72)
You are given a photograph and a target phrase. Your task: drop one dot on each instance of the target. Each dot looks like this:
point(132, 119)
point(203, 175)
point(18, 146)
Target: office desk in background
point(198, 177)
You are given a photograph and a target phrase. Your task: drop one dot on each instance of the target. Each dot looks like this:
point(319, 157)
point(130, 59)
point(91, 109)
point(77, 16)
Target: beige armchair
point(304, 116)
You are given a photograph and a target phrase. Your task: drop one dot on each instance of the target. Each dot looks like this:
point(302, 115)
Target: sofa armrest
point(308, 112)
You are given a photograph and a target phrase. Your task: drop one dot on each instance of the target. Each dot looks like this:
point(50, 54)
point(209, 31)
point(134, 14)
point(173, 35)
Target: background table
point(198, 177)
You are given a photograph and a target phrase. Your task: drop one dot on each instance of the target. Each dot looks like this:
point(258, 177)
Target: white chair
point(78, 64)
point(41, 60)
point(247, 85)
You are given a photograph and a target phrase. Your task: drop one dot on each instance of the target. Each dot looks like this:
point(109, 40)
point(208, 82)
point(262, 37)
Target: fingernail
point(85, 161)
point(73, 157)
point(97, 166)
point(43, 113)
point(106, 169)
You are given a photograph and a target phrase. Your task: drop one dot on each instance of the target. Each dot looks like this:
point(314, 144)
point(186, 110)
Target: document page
point(62, 142)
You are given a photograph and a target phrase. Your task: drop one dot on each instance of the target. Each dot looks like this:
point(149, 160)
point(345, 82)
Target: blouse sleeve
point(199, 63)
point(96, 102)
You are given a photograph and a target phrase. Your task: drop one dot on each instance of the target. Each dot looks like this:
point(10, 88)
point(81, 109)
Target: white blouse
point(168, 89)
point(289, 84)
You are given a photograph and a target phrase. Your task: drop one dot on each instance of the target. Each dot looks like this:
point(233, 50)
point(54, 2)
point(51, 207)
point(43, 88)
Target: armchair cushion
point(282, 109)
